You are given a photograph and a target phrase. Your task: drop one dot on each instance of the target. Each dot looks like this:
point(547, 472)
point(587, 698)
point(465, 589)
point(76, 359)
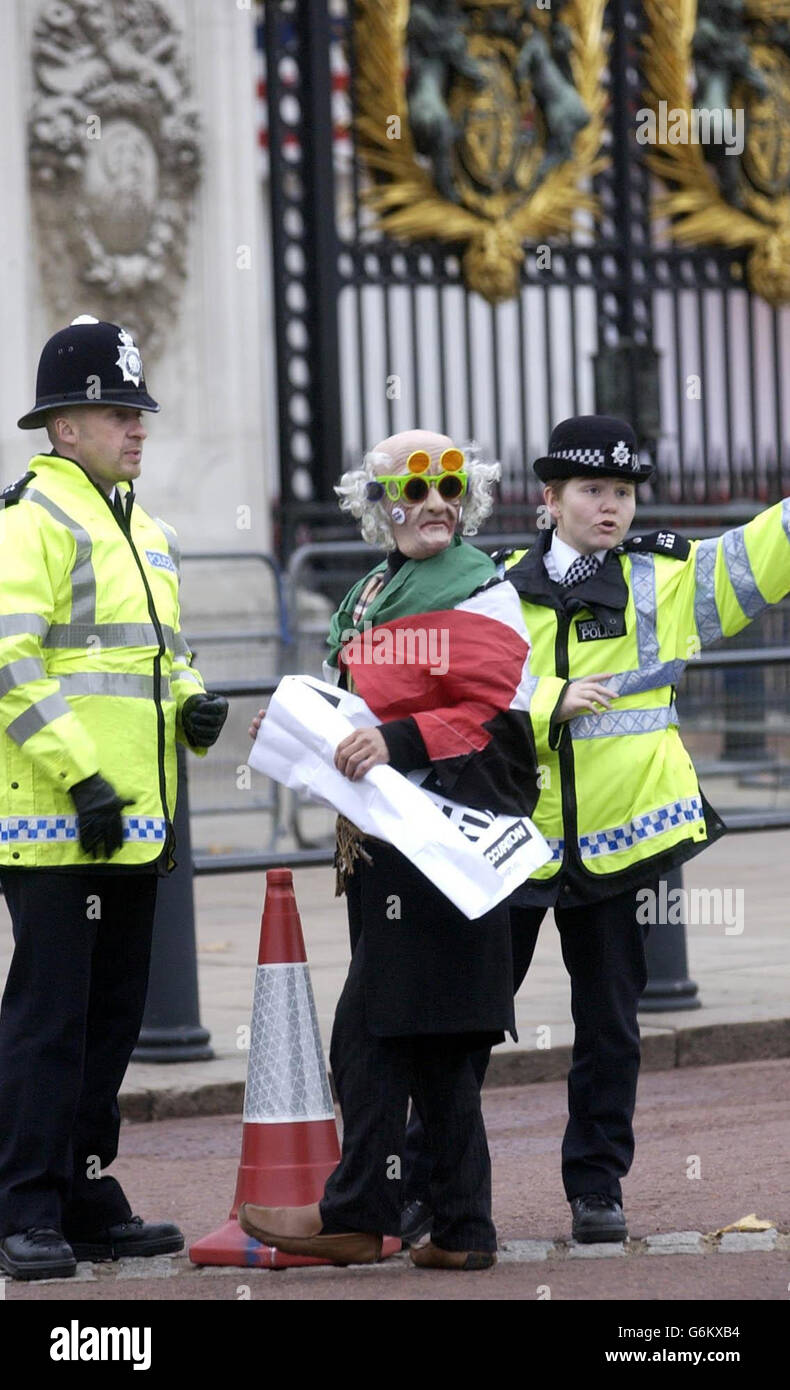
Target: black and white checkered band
point(593, 457)
point(596, 458)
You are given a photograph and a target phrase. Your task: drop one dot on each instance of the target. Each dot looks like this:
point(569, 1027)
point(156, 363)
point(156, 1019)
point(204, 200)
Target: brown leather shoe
point(432, 1256)
point(297, 1231)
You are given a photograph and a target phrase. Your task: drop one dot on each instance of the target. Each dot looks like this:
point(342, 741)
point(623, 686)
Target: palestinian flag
point(461, 674)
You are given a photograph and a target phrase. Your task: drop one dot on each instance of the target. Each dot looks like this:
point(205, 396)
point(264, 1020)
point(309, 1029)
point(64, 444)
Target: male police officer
point(612, 625)
point(96, 686)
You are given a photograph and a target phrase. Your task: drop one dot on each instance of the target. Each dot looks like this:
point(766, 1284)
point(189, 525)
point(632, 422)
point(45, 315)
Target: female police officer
point(613, 622)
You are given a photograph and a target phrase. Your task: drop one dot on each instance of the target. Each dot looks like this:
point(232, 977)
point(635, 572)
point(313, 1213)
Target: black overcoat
point(427, 968)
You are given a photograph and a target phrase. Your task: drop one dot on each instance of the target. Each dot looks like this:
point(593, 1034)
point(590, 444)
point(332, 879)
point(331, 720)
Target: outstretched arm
point(730, 579)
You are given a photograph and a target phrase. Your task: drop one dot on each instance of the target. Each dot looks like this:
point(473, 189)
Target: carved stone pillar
point(132, 191)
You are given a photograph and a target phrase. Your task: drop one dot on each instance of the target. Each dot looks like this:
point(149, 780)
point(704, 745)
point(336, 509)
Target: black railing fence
point(733, 702)
point(376, 335)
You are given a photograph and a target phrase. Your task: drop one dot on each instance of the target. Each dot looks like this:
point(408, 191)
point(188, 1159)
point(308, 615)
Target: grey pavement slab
point(156, 1267)
point(739, 1242)
point(525, 1251)
point(600, 1250)
point(676, 1243)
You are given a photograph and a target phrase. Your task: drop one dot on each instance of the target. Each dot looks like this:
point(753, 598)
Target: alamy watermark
point(402, 646)
point(79, 1343)
point(707, 907)
point(698, 126)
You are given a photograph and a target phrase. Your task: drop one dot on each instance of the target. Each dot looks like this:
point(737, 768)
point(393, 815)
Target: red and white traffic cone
point(289, 1140)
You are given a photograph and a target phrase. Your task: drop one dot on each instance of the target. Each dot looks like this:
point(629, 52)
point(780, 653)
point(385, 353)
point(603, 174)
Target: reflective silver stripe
point(786, 516)
point(28, 668)
point(14, 829)
point(652, 678)
point(643, 587)
point(706, 613)
point(687, 811)
point(22, 624)
point(652, 673)
point(106, 635)
point(180, 647)
point(741, 574)
point(112, 683)
point(184, 674)
point(287, 1082)
point(83, 579)
point(37, 717)
point(624, 721)
point(173, 548)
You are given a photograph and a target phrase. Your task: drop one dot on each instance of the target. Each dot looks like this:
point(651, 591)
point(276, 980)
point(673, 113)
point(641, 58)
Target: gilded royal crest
point(719, 79)
point(480, 121)
point(766, 157)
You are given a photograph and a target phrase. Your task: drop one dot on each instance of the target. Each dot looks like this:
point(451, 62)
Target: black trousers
point(70, 1017)
point(603, 947)
point(374, 1077)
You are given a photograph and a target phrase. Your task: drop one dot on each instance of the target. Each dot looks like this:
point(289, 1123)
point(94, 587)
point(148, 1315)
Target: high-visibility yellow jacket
point(619, 798)
point(93, 668)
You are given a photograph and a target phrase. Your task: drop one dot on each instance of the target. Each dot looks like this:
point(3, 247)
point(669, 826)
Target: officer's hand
point(99, 819)
point(361, 751)
point(582, 696)
point(256, 724)
point(202, 717)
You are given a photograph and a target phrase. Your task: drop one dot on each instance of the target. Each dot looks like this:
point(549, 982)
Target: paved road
point(712, 1146)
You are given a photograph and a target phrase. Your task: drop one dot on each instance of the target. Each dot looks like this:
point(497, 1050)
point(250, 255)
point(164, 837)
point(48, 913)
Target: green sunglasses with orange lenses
point(414, 485)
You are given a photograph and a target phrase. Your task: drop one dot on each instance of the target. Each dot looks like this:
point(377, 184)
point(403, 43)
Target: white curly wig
point(390, 457)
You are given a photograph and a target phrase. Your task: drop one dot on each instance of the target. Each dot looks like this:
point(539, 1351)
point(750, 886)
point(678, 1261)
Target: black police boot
point(38, 1253)
point(597, 1217)
point(127, 1238)
point(416, 1221)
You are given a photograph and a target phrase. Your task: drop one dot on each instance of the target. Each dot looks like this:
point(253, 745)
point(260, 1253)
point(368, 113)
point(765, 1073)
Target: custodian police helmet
point(88, 363)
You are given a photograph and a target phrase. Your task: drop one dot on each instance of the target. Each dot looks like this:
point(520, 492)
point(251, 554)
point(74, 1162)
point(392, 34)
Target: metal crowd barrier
point(337, 563)
point(280, 634)
point(252, 644)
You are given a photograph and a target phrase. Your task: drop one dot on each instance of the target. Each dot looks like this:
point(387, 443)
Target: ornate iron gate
point(376, 334)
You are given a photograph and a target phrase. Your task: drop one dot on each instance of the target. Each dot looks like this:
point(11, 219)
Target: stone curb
point(706, 1046)
point(182, 1102)
point(510, 1252)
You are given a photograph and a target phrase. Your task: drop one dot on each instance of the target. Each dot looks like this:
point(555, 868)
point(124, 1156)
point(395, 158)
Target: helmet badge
point(129, 359)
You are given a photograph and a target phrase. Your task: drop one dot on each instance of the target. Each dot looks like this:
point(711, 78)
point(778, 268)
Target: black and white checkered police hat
point(587, 446)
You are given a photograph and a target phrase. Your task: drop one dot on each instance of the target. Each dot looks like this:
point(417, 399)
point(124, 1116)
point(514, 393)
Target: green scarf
point(419, 586)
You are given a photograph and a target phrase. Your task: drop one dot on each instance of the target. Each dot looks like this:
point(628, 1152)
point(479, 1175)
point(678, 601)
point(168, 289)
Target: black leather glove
point(99, 818)
point(202, 717)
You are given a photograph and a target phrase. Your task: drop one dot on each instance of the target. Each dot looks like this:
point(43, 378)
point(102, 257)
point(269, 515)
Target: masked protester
point(426, 985)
